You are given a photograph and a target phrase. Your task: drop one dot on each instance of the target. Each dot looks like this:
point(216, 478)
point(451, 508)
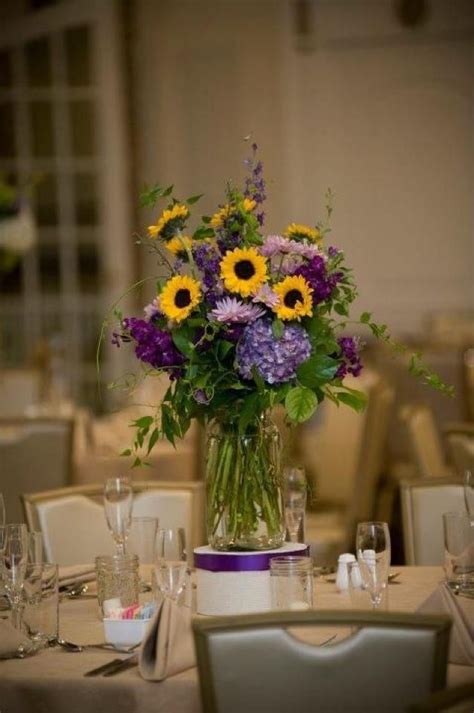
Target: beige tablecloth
point(53, 681)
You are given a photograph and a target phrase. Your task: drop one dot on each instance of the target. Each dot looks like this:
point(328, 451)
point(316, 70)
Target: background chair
point(254, 664)
point(461, 447)
point(425, 442)
point(34, 455)
point(73, 523)
point(423, 504)
point(344, 457)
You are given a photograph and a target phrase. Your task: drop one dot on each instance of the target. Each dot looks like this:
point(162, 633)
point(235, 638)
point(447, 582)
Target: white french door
point(63, 126)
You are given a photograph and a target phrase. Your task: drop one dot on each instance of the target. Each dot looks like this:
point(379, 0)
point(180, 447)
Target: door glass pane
point(49, 267)
point(78, 56)
point(5, 70)
point(42, 133)
point(81, 115)
point(85, 195)
point(7, 130)
point(88, 267)
point(38, 63)
point(45, 200)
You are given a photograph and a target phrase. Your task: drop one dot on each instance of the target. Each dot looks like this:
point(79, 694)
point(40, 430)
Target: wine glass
point(118, 502)
point(469, 494)
point(171, 567)
point(15, 559)
point(295, 502)
point(373, 555)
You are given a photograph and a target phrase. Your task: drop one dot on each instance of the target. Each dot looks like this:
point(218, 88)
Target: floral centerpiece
point(243, 322)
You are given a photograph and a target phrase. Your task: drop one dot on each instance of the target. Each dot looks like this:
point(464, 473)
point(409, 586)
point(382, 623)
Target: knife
point(125, 664)
point(105, 667)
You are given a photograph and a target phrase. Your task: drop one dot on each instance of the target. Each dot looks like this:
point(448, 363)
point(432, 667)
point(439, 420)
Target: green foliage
point(300, 403)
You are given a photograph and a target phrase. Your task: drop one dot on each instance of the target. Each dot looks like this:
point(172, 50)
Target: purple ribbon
point(258, 562)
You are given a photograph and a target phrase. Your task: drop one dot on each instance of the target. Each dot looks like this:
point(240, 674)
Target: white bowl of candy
point(127, 627)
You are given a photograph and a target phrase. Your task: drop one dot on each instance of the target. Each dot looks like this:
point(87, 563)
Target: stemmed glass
point(171, 567)
point(373, 555)
point(295, 502)
point(469, 494)
point(118, 502)
point(15, 559)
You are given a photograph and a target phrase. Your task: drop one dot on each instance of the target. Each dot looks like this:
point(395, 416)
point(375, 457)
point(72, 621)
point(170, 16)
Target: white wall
point(381, 113)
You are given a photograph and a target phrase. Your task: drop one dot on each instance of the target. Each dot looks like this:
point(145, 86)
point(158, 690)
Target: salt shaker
point(342, 580)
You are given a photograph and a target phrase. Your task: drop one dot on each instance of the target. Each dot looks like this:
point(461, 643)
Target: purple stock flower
point(275, 359)
point(333, 251)
point(154, 346)
point(350, 348)
point(207, 261)
point(255, 183)
point(316, 275)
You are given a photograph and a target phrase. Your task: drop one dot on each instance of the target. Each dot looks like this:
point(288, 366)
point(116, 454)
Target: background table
point(53, 681)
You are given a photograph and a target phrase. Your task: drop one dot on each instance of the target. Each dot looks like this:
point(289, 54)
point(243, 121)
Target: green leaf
point(168, 424)
point(126, 452)
point(202, 233)
point(365, 317)
point(317, 370)
point(194, 199)
point(224, 348)
point(181, 339)
point(300, 403)
point(137, 462)
point(341, 309)
point(355, 399)
point(258, 379)
point(143, 422)
point(153, 439)
point(249, 411)
point(278, 328)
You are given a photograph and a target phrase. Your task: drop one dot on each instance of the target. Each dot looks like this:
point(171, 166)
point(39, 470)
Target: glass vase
point(244, 488)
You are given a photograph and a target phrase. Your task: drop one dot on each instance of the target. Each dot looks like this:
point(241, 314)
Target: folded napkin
point(168, 646)
point(11, 640)
point(76, 573)
point(461, 610)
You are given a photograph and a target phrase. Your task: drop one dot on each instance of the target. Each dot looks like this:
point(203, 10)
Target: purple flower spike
point(351, 364)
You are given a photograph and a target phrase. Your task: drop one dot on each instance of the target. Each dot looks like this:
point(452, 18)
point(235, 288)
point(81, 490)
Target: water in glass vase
point(244, 489)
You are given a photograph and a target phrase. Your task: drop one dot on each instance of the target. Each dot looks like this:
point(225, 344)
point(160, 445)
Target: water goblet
point(15, 559)
point(373, 556)
point(295, 502)
point(171, 571)
point(118, 502)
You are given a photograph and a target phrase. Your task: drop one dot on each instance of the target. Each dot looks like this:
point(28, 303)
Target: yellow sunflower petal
point(244, 271)
point(179, 297)
point(179, 212)
point(179, 244)
point(294, 298)
point(296, 230)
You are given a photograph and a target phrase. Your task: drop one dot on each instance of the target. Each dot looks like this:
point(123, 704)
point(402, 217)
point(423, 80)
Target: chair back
point(19, 389)
point(423, 503)
point(458, 699)
point(253, 663)
point(425, 442)
point(461, 447)
point(73, 523)
point(35, 454)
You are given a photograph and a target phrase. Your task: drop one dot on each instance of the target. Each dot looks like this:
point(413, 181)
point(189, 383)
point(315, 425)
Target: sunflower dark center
point(182, 298)
point(292, 297)
point(244, 269)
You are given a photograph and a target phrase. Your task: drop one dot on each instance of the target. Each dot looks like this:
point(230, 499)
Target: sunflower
point(294, 301)
point(229, 210)
point(243, 270)
point(171, 220)
point(179, 297)
point(296, 231)
point(179, 244)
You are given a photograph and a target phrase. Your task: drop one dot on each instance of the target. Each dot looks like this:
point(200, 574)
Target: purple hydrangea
point(275, 359)
point(350, 348)
point(315, 273)
point(154, 346)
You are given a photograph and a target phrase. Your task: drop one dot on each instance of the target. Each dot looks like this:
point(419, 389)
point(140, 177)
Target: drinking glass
point(35, 547)
point(373, 556)
point(295, 489)
point(118, 501)
point(41, 612)
point(15, 559)
point(469, 494)
point(291, 582)
point(458, 550)
point(117, 582)
point(360, 596)
point(171, 571)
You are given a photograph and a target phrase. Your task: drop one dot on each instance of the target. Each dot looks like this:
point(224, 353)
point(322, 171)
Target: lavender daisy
point(231, 309)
